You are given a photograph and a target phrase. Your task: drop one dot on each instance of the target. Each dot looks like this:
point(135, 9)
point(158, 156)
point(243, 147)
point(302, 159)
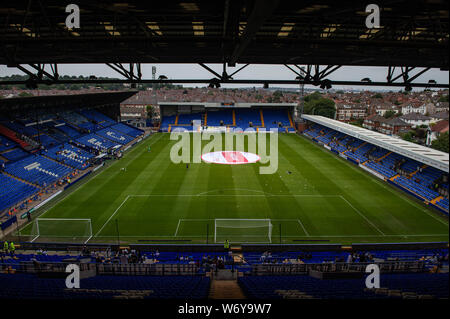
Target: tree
point(441, 143)
point(377, 96)
point(357, 122)
point(24, 94)
point(409, 136)
point(389, 114)
point(318, 105)
point(443, 98)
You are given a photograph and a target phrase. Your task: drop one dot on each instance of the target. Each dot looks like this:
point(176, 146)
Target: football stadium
point(225, 194)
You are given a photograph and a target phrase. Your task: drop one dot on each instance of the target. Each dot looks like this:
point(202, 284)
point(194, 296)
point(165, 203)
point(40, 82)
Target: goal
point(69, 229)
point(243, 230)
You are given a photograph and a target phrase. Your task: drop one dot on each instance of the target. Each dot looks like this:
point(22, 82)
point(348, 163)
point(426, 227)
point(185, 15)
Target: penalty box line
point(113, 214)
point(211, 219)
point(240, 195)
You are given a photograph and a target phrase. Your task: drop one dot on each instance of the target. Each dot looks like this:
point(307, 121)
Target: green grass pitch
point(325, 199)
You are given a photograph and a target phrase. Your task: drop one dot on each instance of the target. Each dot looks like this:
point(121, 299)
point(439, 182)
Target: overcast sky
point(255, 71)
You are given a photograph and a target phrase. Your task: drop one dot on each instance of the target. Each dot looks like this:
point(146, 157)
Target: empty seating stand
point(69, 155)
point(423, 182)
point(97, 142)
point(97, 117)
point(305, 287)
point(114, 136)
point(38, 170)
point(13, 191)
point(14, 154)
point(29, 286)
point(127, 129)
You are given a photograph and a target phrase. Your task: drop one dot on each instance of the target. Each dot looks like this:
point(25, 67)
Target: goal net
point(243, 230)
point(61, 229)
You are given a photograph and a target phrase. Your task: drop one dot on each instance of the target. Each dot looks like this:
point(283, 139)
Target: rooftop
point(426, 155)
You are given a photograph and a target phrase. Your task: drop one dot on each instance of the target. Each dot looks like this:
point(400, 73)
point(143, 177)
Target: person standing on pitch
point(226, 245)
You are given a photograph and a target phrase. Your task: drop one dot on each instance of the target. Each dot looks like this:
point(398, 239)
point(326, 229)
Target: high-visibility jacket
point(11, 246)
point(5, 245)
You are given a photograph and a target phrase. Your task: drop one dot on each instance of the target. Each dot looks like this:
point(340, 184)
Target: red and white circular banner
point(230, 157)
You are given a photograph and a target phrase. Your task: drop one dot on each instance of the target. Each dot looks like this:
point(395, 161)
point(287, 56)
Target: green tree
point(409, 136)
point(389, 114)
point(318, 105)
point(377, 96)
point(24, 94)
point(443, 98)
point(441, 143)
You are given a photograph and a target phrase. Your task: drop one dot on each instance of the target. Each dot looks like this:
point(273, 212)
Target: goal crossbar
point(244, 223)
point(37, 227)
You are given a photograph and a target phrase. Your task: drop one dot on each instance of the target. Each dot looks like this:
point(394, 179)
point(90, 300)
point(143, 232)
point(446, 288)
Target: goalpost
point(70, 229)
point(243, 230)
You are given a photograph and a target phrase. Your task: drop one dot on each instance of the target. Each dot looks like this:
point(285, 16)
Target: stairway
point(262, 117)
point(225, 289)
point(290, 119)
point(12, 136)
point(416, 171)
point(384, 156)
point(433, 201)
point(359, 146)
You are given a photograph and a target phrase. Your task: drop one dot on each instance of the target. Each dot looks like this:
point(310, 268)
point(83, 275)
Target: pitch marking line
point(303, 227)
point(383, 184)
point(287, 236)
point(231, 195)
point(363, 216)
point(208, 219)
point(110, 217)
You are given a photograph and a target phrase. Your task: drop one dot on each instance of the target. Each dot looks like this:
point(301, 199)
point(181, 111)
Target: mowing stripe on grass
point(118, 208)
point(363, 216)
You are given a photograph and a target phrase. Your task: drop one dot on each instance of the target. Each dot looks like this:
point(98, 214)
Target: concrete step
point(225, 289)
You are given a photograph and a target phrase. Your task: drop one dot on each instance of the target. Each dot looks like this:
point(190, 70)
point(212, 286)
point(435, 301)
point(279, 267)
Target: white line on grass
point(178, 226)
point(383, 184)
point(290, 236)
point(303, 227)
point(363, 216)
point(118, 208)
point(232, 195)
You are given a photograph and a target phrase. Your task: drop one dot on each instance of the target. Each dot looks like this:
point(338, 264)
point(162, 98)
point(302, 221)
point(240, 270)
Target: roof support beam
point(229, 81)
point(261, 11)
point(130, 74)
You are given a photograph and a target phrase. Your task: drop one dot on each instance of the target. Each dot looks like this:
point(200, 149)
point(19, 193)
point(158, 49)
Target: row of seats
point(279, 287)
point(6, 143)
point(319, 257)
point(114, 135)
point(383, 170)
point(215, 118)
point(14, 154)
point(13, 191)
point(273, 118)
point(417, 188)
point(69, 155)
point(38, 170)
point(97, 117)
point(96, 142)
point(442, 203)
point(28, 286)
point(56, 130)
point(418, 178)
point(127, 129)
